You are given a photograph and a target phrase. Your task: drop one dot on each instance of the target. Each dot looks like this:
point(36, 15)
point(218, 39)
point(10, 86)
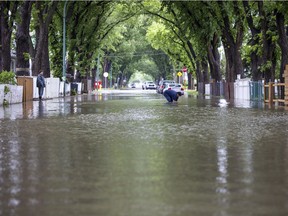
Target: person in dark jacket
point(171, 95)
point(40, 84)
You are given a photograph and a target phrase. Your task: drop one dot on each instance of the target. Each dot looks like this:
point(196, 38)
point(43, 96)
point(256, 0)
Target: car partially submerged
point(175, 87)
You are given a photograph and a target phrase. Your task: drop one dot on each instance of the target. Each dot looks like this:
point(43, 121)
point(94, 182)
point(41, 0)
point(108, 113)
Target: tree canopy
point(216, 40)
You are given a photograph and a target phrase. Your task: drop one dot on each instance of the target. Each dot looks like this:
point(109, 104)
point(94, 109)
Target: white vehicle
point(149, 85)
point(162, 85)
point(175, 87)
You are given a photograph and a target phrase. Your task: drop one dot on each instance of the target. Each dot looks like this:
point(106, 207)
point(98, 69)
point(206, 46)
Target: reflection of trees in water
point(40, 108)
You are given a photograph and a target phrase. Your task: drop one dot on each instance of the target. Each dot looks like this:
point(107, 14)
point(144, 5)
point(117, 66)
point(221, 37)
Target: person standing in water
point(40, 84)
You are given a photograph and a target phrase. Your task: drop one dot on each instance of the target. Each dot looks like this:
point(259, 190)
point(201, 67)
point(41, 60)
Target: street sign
point(184, 69)
point(179, 74)
point(105, 74)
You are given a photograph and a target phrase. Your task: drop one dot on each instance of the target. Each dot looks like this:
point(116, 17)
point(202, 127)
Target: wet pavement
point(131, 153)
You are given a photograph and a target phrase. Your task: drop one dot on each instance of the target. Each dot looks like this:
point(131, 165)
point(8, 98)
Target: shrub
point(6, 90)
point(73, 92)
point(7, 78)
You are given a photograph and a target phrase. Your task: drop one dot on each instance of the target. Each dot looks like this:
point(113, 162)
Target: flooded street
point(130, 154)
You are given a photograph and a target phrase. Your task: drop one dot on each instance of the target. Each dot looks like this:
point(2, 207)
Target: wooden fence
point(269, 90)
point(269, 93)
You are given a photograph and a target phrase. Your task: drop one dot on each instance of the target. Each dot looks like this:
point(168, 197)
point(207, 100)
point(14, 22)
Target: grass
point(191, 92)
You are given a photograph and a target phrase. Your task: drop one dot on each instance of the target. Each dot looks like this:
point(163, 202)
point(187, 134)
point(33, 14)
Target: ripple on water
point(138, 156)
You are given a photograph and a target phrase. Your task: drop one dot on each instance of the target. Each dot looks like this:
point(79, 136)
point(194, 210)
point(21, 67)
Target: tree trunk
point(22, 40)
point(214, 59)
point(233, 60)
point(6, 31)
point(36, 67)
point(204, 65)
point(269, 47)
point(282, 41)
point(232, 46)
point(45, 62)
point(190, 82)
point(200, 77)
point(1, 14)
point(41, 60)
point(72, 36)
point(256, 61)
point(5, 37)
point(192, 56)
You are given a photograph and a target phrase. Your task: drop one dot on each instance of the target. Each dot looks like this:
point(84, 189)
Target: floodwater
point(131, 154)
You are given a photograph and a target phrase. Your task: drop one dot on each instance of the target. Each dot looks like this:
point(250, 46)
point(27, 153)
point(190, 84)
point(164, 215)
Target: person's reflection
point(41, 107)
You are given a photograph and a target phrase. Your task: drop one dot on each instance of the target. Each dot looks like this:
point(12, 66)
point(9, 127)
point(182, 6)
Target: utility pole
point(97, 73)
point(64, 46)
point(111, 76)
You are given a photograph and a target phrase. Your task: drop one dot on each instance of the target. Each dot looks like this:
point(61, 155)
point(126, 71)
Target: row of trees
point(252, 33)
point(15, 32)
point(132, 34)
point(34, 29)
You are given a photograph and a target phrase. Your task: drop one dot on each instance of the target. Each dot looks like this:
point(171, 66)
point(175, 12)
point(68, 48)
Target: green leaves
point(181, 30)
point(7, 77)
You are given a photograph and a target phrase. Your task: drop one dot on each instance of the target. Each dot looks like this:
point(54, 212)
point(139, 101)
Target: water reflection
point(41, 109)
point(222, 156)
point(223, 103)
point(82, 103)
point(135, 155)
point(222, 137)
point(11, 170)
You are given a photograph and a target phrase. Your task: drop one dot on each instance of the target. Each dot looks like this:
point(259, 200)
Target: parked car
point(149, 85)
point(133, 85)
point(175, 87)
point(162, 84)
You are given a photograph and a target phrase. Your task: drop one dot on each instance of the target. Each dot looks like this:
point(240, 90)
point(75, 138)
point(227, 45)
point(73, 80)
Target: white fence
point(207, 89)
point(54, 88)
point(50, 91)
point(242, 89)
point(15, 94)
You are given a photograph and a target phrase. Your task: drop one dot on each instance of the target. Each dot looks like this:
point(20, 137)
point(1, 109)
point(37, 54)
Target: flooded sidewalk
point(131, 153)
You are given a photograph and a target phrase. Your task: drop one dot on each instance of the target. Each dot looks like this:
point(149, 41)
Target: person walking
point(40, 84)
point(171, 95)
